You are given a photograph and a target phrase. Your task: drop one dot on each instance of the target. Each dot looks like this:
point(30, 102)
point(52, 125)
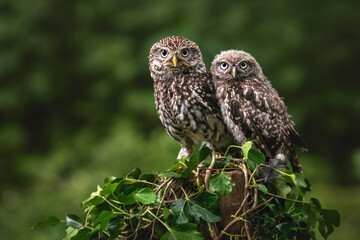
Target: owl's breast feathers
point(186, 105)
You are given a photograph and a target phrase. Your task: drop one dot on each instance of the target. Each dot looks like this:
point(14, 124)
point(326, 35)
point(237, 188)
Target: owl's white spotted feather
point(252, 109)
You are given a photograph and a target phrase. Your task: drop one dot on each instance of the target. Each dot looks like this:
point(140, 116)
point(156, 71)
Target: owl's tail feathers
point(294, 162)
point(297, 140)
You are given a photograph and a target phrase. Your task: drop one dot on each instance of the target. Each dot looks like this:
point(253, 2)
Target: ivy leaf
point(134, 174)
point(254, 159)
point(73, 221)
point(109, 189)
point(285, 228)
point(110, 179)
point(221, 183)
point(70, 232)
point(146, 196)
point(94, 199)
point(195, 159)
point(166, 213)
point(204, 206)
point(331, 217)
point(246, 148)
point(180, 210)
point(313, 211)
point(176, 166)
point(186, 231)
point(282, 188)
point(47, 222)
point(300, 184)
point(77, 234)
point(223, 163)
point(262, 187)
point(126, 199)
point(102, 222)
point(170, 174)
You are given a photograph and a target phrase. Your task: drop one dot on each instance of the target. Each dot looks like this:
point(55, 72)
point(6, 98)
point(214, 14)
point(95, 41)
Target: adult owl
point(184, 95)
point(252, 109)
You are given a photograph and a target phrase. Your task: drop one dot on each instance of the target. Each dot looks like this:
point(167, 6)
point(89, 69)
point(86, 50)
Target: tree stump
point(229, 205)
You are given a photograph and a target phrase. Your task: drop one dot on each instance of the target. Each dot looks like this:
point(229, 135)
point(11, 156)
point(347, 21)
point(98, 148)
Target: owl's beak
point(233, 72)
point(174, 60)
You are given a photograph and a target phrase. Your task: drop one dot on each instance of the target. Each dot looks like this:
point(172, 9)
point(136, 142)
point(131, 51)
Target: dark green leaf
point(73, 221)
point(311, 215)
point(271, 221)
point(185, 231)
point(47, 222)
point(204, 206)
point(322, 231)
point(255, 158)
point(134, 174)
point(331, 217)
point(126, 199)
point(148, 177)
point(284, 228)
point(282, 188)
point(316, 204)
point(145, 196)
point(109, 189)
point(195, 159)
point(108, 180)
point(300, 183)
point(221, 183)
point(103, 220)
point(225, 162)
point(313, 211)
point(180, 210)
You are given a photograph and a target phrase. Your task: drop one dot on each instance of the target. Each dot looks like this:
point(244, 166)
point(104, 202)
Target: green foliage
point(220, 183)
point(184, 231)
point(202, 206)
point(145, 206)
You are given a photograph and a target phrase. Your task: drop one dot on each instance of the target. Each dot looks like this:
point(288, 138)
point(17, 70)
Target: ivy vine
point(172, 204)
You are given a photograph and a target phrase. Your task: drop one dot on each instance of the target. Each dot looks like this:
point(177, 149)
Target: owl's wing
point(241, 115)
point(263, 117)
point(204, 93)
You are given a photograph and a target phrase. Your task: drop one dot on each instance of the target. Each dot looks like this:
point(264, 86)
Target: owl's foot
point(278, 162)
point(185, 152)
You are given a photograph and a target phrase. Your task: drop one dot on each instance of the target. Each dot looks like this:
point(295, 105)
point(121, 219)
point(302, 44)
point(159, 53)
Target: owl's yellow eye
point(243, 65)
point(224, 65)
point(185, 52)
point(163, 52)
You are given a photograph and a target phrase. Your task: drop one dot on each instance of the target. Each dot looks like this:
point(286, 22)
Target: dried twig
point(208, 171)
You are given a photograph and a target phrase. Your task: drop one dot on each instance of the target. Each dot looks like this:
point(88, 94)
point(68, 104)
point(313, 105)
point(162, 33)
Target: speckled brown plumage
point(184, 95)
point(252, 109)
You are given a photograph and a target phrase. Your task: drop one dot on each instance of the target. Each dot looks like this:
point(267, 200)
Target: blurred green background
point(76, 97)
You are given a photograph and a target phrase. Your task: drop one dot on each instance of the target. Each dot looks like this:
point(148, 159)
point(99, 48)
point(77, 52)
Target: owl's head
point(175, 55)
point(234, 65)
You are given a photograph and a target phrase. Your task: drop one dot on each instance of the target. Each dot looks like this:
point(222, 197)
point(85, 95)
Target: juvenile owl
point(184, 95)
point(252, 109)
